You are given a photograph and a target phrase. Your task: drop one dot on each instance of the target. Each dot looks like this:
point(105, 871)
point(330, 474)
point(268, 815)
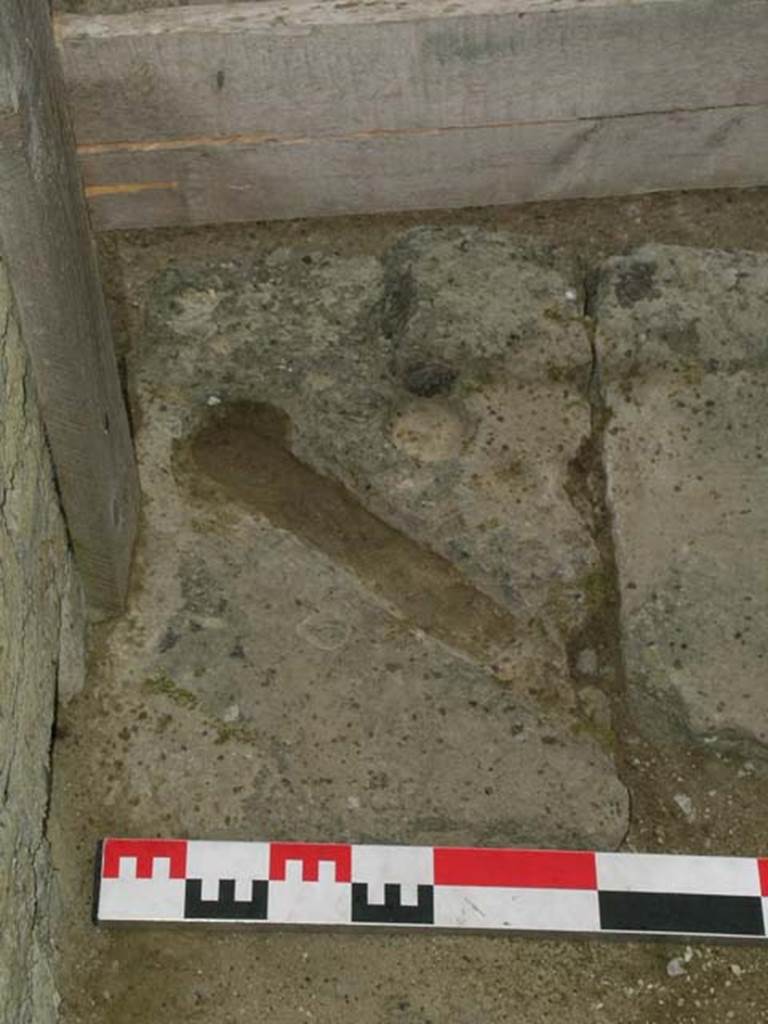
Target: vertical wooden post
point(46, 243)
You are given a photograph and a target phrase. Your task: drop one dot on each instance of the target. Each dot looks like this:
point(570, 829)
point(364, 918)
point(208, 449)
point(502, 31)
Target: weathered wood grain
point(241, 180)
point(46, 244)
point(308, 68)
point(286, 109)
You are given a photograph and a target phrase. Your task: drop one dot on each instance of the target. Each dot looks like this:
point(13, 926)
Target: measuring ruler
point(453, 888)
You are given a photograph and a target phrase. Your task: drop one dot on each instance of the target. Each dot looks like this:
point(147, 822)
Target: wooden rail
point(46, 243)
point(284, 109)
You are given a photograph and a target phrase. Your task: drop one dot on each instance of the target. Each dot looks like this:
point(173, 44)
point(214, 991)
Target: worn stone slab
point(682, 341)
point(446, 387)
point(306, 679)
point(290, 699)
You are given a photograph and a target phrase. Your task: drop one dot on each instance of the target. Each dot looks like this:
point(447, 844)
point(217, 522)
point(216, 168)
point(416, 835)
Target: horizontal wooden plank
point(46, 243)
point(246, 179)
point(308, 68)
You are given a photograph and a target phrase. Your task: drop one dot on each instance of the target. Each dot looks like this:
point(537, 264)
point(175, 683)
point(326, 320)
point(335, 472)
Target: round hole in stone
point(429, 378)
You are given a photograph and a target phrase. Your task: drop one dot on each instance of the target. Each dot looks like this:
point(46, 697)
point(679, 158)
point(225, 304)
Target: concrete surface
point(683, 352)
point(41, 642)
point(303, 394)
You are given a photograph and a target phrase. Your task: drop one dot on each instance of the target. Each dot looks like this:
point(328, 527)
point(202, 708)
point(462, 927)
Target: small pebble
point(596, 706)
point(586, 663)
point(232, 713)
point(675, 967)
point(685, 804)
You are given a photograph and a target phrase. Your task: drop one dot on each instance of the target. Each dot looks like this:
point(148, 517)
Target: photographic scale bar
point(454, 888)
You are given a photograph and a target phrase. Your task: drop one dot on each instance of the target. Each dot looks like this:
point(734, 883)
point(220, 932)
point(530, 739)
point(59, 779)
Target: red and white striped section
point(196, 881)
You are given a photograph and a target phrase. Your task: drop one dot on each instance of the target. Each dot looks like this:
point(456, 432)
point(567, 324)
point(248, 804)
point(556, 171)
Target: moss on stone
point(602, 734)
point(163, 685)
point(598, 589)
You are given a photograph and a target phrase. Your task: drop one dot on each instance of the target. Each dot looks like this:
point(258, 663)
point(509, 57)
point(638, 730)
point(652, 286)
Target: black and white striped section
point(667, 894)
point(547, 891)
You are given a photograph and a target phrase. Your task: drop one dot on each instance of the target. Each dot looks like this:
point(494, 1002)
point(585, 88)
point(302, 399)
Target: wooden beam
point(46, 244)
point(309, 68)
point(277, 108)
point(242, 180)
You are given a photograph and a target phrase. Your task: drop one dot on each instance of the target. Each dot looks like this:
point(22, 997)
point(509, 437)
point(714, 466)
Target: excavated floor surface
point(454, 531)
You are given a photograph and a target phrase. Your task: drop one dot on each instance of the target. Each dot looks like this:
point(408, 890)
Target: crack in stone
point(588, 490)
